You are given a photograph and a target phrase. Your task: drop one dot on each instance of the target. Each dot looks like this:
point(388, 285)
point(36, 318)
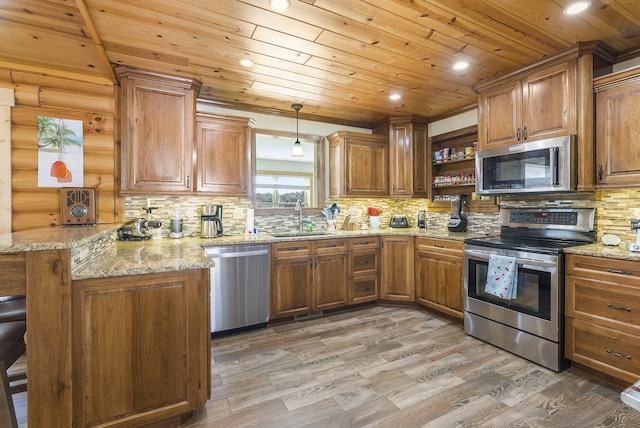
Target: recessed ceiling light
point(279, 5)
point(246, 62)
point(394, 97)
point(460, 65)
point(577, 7)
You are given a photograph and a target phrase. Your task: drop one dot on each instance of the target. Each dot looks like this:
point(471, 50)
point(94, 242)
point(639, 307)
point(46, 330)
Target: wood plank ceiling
point(340, 58)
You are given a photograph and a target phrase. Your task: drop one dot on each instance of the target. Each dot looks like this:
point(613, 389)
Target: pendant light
point(297, 146)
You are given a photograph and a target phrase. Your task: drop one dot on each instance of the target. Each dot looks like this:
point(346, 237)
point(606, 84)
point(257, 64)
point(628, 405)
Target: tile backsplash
point(614, 209)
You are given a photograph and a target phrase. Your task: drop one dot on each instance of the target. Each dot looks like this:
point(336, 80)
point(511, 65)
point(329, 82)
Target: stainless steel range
point(528, 320)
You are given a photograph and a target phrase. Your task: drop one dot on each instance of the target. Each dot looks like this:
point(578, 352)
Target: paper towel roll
point(250, 225)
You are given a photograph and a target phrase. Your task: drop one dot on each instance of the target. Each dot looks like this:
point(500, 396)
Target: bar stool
point(12, 346)
point(13, 308)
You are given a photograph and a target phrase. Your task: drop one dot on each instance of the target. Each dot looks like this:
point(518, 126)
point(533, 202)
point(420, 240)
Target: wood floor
point(394, 367)
point(390, 367)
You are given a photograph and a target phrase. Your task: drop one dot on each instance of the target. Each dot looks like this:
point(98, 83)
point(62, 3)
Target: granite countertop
point(52, 238)
point(619, 252)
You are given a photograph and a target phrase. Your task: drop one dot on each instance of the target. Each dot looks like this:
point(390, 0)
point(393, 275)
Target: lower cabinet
point(397, 268)
point(141, 348)
point(601, 318)
point(439, 275)
point(364, 269)
point(308, 276)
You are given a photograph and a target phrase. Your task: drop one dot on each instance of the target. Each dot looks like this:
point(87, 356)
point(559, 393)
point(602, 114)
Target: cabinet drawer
point(331, 246)
point(604, 349)
point(616, 271)
point(440, 245)
point(364, 262)
point(291, 249)
point(364, 243)
point(364, 289)
point(614, 302)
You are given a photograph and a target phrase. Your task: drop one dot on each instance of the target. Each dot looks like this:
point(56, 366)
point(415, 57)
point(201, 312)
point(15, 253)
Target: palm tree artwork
point(54, 135)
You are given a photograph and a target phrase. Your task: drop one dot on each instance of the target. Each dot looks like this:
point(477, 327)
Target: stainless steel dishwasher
point(239, 286)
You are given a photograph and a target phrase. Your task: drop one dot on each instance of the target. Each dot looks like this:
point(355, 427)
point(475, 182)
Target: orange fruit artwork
point(59, 170)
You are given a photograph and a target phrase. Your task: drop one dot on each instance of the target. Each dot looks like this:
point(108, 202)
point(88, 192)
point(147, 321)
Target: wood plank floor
point(394, 367)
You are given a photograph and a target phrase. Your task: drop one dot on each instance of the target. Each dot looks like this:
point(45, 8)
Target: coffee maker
point(210, 221)
point(458, 221)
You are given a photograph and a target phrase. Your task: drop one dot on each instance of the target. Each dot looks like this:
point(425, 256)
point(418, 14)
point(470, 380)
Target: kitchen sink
point(297, 234)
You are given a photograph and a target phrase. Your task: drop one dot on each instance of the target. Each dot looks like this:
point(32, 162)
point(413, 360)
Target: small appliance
point(635, 227)
point(458, 221)
point(138, 229)
point(399, 221)
point(78, 206)
point(175, 224)
point(210, 221)
point(422, 219)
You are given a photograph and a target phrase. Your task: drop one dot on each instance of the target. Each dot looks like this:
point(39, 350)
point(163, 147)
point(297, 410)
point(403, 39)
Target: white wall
point(453, 123)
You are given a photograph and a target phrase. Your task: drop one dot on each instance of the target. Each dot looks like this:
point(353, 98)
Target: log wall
point(41, 95)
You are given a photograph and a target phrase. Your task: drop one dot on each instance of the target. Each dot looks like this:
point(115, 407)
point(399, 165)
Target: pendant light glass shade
point(297, 146)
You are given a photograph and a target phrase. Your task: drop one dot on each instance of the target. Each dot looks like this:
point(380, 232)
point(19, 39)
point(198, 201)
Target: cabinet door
point(223, 156)
point(400, 164)
point(366, 168)
point(618, 135)
point(439, 282)
point(397, 268)
point(158, 119)
point(421, 160)
point(549, 102)
point(141, 344)
point(500, 115)
point(330, 277)
point(291, 291)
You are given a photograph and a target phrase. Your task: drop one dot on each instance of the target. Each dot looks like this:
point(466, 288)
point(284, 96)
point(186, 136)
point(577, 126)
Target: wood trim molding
point(7, 101)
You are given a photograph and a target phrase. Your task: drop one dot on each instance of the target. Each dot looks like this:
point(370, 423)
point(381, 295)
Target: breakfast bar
point(117, 333)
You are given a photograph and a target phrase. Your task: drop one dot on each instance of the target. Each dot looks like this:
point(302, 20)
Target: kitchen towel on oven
point(501, 277)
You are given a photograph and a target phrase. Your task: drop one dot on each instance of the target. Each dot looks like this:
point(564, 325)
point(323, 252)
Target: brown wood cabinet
point(358, 164)
point(618, 130)
point(157, 115)
point(408, 155)
point(397, 268)
point(439, 275)
point(539, 105)
point(142, 347)
point(364, 269)
point(550, 98)
point(223, 155)
point(308, 276)
point(602, 323)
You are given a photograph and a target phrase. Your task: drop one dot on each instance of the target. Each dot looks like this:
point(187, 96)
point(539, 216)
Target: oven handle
point(553, 165)
point(526, 263)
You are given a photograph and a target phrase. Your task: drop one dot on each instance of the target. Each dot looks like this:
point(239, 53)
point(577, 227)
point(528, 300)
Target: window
point(281, 179)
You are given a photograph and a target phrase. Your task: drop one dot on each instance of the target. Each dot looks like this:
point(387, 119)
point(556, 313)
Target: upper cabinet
point(224, 154)
point(408, 155)
point(551, 98)
point(618, 130)
point(358, 164)
point(157, 116)
point(540, 105)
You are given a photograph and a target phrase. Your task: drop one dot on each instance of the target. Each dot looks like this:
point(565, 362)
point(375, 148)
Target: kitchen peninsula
point(117, 332)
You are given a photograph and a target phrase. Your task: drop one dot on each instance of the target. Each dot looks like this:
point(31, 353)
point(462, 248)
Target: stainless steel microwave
point(543, 166)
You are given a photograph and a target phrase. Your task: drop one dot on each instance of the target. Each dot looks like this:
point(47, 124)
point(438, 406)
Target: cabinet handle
point(518, 134)
point(524, 133)
point(621, 272)
point(188, 181)
point(438, 246)
point(310, 263)
point(330, 246)
point(600, 172)
point(619, 308)
point(617, 354)
point(364, 262)
point(293, 248)
point(364, 288)
point(363, 243)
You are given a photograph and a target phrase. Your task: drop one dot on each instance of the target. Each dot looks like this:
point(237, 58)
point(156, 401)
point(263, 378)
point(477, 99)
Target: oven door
point(536, 309)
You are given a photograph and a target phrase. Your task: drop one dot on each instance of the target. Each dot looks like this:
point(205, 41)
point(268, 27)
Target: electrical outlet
point(356, 212)
point(238, 213)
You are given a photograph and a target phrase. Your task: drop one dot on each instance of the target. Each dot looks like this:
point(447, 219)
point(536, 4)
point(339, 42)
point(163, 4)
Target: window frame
point(319, 171)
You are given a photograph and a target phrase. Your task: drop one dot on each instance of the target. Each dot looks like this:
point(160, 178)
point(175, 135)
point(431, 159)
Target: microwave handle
point(554, 154)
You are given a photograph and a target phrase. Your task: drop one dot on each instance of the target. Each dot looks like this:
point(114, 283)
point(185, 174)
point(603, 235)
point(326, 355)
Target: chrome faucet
point(298, 208)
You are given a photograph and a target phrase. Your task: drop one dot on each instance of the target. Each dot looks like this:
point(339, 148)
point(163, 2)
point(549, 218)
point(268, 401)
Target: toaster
point(399, 221)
